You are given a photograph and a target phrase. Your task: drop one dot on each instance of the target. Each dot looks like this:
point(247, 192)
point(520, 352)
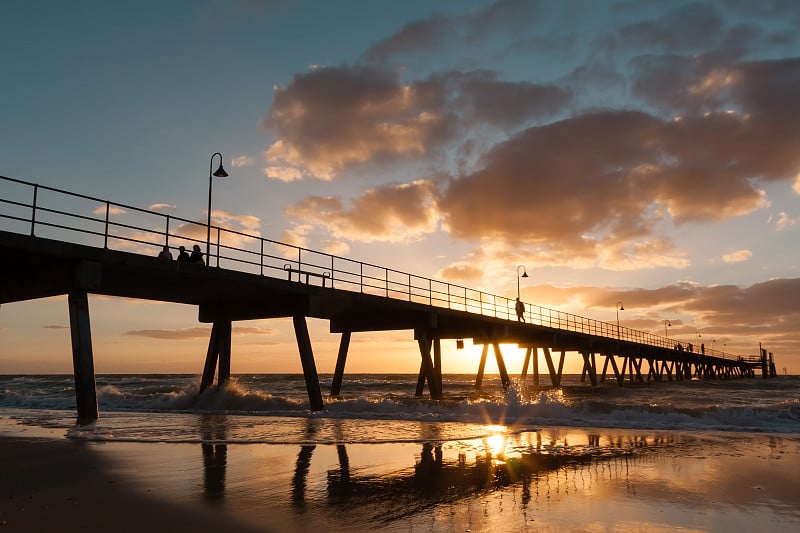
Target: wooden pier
point(61, 246)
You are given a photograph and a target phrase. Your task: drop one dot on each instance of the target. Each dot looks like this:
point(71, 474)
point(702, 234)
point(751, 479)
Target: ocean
point(161, 408)
point(715, 455)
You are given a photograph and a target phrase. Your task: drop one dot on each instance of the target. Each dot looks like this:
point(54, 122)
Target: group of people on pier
point(183, 256)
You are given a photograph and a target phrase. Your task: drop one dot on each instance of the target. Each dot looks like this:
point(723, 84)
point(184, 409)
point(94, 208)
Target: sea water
point(274, 408)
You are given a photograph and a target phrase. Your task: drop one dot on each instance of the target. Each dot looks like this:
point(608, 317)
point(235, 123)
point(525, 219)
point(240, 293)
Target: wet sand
point(561, 479)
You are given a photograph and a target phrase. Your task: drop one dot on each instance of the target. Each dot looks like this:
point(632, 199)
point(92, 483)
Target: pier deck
point(57, 243)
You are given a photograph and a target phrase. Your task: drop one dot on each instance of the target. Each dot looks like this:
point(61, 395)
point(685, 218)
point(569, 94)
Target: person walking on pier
point(197, 255)
point(520, 307)
point(165, 254)
point(183, 255)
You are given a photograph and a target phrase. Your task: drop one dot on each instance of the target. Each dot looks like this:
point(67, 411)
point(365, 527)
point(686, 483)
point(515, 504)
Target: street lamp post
point(667, 323)
point(619, 308)
point(524, 275)
point(219, 173)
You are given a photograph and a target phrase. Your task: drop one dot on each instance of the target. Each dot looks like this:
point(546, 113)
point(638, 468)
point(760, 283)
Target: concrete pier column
point(82, 357)
point(309, 366)
point(338, 374)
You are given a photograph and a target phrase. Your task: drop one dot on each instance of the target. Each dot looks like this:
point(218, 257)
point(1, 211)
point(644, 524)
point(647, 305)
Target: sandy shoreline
point(674, 480)
point(61, 485)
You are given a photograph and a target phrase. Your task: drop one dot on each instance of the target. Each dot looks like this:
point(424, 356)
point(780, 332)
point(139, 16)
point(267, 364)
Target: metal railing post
point(33, 208)
point(105, 232)
point(261, 256)
point(218, 242)
point(409, 287)
point(166, 235)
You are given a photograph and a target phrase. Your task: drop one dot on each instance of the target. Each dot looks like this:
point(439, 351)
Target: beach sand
point(556, 479)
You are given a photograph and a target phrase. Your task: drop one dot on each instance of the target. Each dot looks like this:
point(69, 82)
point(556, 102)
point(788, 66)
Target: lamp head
point(524, 274)
point(220, 172)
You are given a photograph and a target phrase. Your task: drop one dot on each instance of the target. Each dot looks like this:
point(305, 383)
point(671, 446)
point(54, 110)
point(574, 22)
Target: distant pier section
point(57, 242)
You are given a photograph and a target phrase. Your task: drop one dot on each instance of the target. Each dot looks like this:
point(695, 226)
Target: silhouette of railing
point(29, 208)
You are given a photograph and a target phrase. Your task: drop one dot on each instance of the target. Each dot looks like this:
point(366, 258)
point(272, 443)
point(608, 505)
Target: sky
point(642, 152)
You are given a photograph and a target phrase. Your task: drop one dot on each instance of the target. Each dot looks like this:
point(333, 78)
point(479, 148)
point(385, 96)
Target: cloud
point(737, 256)
point(161, 207)
point(297, 236)
point(112, 210)
point(683, 27)
point(536, 167)
point(389, 213)
point(743, 315)
point(239, 161)
point(333, 118)
point(461, 272)
point(200, 332)
point(171, 335)
point(543, 185)
point(440, 32)
point(338, 248)
point(55, 327)
point(783, 221)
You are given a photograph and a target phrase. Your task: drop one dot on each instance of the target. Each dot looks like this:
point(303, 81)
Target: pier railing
point(42, 211)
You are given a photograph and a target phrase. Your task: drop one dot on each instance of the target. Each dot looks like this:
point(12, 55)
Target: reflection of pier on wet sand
point(533, 461)
point(62, 246)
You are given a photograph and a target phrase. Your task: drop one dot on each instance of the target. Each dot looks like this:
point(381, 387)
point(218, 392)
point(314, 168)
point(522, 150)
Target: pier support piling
point(338, 375)
point(82, 357)
point(501, 365)
point(307, 360)
point(219, 351)
point(481, 366)
point(430, 369)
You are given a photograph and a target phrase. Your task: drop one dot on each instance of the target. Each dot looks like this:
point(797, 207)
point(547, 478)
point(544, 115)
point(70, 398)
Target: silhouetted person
point(520, 307)
point(197, 255)
point(165, 254)
point(183, 255)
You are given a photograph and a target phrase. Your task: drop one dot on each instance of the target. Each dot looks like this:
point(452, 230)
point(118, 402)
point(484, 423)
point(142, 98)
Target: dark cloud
point(483, 99)
point(441, 31)
point(414, 37)
point(392, 213)
point(736, 315)
point(331, 118)
point(685, 27)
